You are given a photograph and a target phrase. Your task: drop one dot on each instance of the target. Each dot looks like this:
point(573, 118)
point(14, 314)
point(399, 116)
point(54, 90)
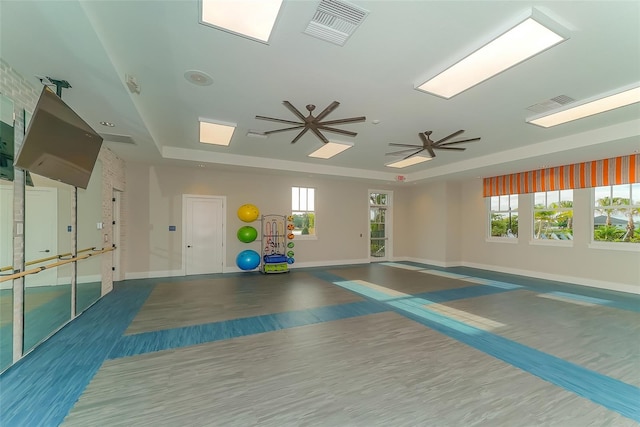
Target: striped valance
point(618, 170)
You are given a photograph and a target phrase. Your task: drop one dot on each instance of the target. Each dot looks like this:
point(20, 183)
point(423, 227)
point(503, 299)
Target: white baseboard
point(592, 283)
point(306, 265)
point(153, 274)
point(429, 261)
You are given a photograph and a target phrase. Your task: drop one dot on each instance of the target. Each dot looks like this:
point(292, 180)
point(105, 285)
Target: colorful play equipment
point(247, 234)
point(274, 244)
point(248, 212)
point(248, 260)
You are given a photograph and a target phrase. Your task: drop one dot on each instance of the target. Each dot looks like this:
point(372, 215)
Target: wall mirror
point(90, 236)
point(48, 235)
point(6, 230)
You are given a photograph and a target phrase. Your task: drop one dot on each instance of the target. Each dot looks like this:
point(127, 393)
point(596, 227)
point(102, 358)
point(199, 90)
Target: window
point(616, 213)
point(303, 211)
point(503, 216)
point(379, 204)
point(553, 215)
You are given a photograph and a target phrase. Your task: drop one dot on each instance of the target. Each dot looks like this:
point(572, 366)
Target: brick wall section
point(113, 178)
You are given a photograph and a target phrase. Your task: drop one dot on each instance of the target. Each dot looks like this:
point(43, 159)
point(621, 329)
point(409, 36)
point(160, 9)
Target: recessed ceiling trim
point(526, 39)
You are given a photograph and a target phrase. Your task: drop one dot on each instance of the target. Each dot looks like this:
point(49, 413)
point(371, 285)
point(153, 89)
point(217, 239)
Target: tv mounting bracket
point(59, 84)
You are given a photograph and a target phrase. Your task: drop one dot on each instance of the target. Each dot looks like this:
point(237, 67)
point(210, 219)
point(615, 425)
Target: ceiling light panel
point(589, 108)
point(216, 133)
point(253, 19)
point(408, 162)
point(330, 149)
point(520, 43)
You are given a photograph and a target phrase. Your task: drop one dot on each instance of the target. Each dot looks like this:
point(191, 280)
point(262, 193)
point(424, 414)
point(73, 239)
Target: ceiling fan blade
point(340, 131)
point(319, 134)
point(340, 121)
point(393, 144)
point(458, 142)
point(425, 141)
point(290, 122)
point(282, 130)
point(431, 152)
point(294, 110)
point(413, 154)
point(450, 148)
point(299, 135)
point(453, 135)
point(327, 110)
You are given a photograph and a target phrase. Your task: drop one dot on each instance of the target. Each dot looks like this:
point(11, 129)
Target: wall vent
point(551, 104)
point(112, 137)
point(335, 21)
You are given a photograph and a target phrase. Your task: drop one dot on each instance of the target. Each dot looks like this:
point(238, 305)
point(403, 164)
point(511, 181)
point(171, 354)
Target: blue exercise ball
point(248, 260)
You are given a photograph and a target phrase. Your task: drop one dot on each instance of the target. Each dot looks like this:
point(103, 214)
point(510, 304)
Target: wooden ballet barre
point(38, 261)
point(55, 264)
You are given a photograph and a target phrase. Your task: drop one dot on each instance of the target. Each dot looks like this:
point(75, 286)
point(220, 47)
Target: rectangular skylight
point(589, 108)
point(520, 43)
point(330, 149)
point(249, 18)
point(414, 160)
point(217, 133)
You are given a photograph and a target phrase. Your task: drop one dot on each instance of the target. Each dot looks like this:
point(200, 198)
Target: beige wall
point(612, 269)
point(154, 202)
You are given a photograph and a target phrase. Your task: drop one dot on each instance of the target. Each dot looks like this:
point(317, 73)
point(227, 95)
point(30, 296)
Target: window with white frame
point(303, 211)
point(503, 216)
point(616, 213)
point(553, 215)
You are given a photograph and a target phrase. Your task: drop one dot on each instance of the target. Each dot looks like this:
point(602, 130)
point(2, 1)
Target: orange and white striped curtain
point(617, 170)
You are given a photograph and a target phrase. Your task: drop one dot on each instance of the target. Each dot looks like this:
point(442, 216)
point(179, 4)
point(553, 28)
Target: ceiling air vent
point(335, 21)
point(551, 104)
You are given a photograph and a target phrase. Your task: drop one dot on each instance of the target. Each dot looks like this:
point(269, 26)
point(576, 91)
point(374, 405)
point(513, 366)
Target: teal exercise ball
point(247, 234)
point(248, 260)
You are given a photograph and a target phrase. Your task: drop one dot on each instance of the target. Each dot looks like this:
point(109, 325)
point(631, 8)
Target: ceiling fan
point(315, 124)
point(429, 145)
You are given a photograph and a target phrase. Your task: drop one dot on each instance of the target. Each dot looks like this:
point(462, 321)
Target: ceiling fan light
point(253, 19)
point(330, 149)
point(216, 133)
point(414, 160)
point(518, 44)
point(595, 106)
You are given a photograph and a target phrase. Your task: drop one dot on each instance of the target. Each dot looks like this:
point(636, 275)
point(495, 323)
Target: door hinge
point(113, 199)
point(113, 222)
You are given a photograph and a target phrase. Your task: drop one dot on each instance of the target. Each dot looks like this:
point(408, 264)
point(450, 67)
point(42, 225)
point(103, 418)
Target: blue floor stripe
point(461, 293)
point(609, 392)
point(198, 334)
point(42, 388)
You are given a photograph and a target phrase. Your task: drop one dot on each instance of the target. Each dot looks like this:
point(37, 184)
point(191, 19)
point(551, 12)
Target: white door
point(203, 225)
point(41, 233)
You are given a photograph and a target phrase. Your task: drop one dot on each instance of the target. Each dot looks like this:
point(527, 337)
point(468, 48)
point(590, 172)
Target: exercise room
point(356, 213)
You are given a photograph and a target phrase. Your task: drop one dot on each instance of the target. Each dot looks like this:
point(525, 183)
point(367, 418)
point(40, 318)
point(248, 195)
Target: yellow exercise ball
point(248, 212)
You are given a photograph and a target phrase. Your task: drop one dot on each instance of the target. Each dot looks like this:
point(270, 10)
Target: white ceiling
point(94, 44)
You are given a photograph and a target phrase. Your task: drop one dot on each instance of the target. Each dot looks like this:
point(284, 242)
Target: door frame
point(184, 228)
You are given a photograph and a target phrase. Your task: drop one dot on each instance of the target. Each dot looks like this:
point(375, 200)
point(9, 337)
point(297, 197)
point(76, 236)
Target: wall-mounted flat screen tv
point(58, 144)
